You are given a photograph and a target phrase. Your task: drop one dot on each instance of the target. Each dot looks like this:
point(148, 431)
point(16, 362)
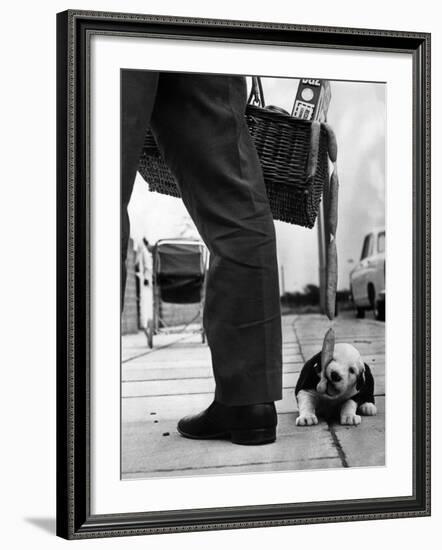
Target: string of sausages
point(330, 197)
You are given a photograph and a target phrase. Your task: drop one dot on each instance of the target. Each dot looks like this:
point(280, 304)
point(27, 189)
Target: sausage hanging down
point(331, 222)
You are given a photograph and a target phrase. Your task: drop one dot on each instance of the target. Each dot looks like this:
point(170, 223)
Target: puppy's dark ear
point(360, 381)
point(309, 375)
point(318, 366)
point(314, 363)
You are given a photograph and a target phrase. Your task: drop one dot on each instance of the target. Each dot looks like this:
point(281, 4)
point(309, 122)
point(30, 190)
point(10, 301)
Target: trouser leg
point(138, 91)
point(199, 124)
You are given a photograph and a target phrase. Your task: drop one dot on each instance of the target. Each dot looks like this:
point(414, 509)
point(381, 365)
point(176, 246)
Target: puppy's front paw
point(368, 409)
point(306, 419)
point(350, 419)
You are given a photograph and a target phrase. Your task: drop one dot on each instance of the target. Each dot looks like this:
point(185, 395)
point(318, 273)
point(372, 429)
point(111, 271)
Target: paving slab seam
point(223, 466)
point(176, 379)
point(159, 348)
point(338, 446)
point(144, 396)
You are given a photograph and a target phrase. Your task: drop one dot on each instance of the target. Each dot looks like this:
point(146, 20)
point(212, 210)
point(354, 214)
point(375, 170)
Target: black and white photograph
point(253, 274)
point(243, 308)
point(221, 274)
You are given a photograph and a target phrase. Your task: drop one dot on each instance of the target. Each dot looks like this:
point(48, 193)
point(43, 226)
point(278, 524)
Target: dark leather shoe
point(244, 424)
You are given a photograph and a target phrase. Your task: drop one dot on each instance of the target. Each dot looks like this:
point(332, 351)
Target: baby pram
point(178, 277)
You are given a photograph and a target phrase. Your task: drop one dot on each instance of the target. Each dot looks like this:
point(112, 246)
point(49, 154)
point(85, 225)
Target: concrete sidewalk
point(174, 379)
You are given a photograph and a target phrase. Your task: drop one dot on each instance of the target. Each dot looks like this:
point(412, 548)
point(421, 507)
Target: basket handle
point(256, 96)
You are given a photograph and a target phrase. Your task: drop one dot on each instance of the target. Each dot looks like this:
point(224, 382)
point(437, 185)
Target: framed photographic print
point(243, 274)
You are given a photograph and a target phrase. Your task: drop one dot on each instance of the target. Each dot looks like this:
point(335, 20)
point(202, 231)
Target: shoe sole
point(261, 436)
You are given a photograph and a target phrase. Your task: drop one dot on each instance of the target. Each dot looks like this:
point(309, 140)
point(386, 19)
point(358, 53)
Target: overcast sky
point(357, 115)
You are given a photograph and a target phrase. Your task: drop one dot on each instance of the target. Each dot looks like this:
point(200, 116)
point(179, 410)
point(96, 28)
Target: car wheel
point(372, 298)
point(360, 311)
point(379, 311)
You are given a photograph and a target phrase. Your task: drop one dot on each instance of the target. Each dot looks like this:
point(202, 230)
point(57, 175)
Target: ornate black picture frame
point(74, 518)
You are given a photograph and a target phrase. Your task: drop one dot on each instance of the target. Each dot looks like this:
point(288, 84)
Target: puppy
point(345, 387)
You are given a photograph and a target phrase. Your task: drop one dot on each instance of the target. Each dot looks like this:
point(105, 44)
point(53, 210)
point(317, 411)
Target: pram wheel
point(149, 333)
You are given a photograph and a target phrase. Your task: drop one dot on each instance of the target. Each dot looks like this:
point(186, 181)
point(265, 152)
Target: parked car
point(367, 278)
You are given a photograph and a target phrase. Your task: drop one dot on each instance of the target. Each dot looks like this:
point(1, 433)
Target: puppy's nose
point(335, 377)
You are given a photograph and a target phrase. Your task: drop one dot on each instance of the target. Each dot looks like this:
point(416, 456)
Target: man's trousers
point(198, 122)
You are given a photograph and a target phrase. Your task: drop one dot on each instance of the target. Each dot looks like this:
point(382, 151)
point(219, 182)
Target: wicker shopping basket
point(293, 154)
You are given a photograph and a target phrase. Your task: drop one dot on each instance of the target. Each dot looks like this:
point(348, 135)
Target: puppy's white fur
point(336, 387)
